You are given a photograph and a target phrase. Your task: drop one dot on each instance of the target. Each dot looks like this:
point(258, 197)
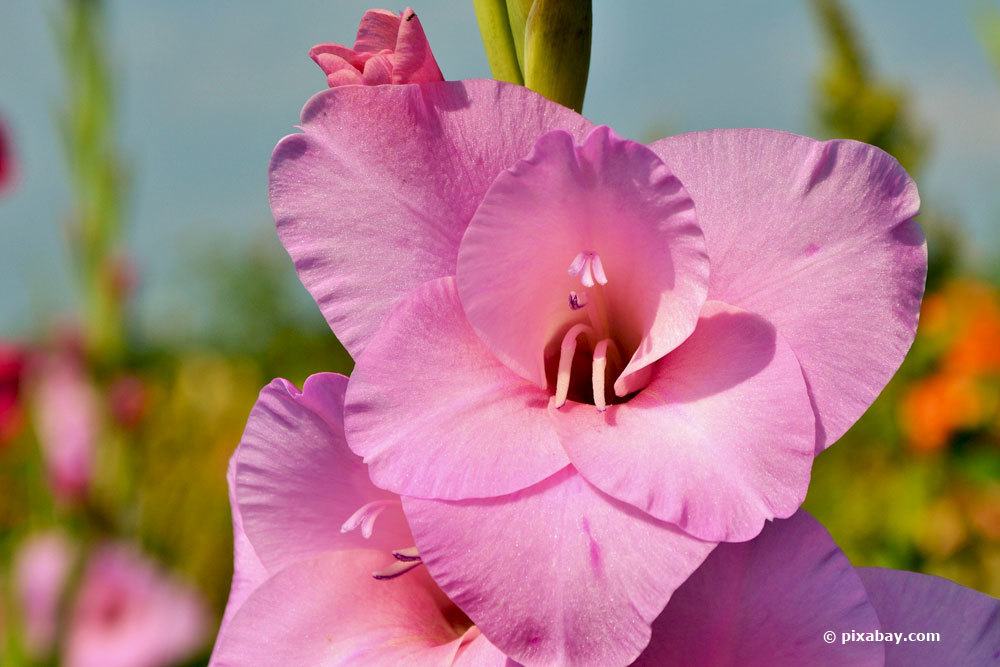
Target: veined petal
point(558, 573)
point(719, 441)
point(818, 238)
point(768, 603)
point(435, 415)
point(377, 31)
point(296, 480)
point(413, 61)
point(372, 198)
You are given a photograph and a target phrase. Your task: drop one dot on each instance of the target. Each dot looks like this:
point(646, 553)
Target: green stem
point(557, 50)
point(498, 42)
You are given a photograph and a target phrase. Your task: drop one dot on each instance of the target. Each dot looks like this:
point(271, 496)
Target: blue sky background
point(208, 86)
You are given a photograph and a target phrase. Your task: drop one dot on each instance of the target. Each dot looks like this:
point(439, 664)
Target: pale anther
point(588, 266)
point(365, 517)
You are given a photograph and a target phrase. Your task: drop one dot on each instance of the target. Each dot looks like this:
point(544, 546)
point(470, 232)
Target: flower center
point(363, 520)
point(606, 356)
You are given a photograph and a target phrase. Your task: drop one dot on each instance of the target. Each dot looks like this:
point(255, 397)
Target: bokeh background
point(144, 298)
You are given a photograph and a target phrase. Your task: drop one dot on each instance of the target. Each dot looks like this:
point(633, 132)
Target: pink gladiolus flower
point(128, 613)
point(67, 424)
point(41, 569)
point(12, 367)
point(582, 361)
point(310, 530)
point(390, 48)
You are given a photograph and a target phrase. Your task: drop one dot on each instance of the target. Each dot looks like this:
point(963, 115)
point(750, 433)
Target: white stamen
point(577, 263)
point(566, 351)
point(365, 517)
point(588, 266)
point(597, 373)
point(408, 554)
point(587, 275)
point(597, 266)
point(398, 568)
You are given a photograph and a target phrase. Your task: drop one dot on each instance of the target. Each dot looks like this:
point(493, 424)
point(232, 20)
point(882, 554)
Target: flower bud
point(389, 48)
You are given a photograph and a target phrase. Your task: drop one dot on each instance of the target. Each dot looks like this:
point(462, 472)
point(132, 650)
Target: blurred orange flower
point(963, 322)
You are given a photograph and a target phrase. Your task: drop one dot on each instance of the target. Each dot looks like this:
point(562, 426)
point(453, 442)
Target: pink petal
point(378, 70)
point(413, 61)
point(721, 439)
point(555, 574)
point(967, 621)
point(767, 603)
point(248, 572)
point(333, 57)
point(477, 651)
point(296, 480)
point(377, 31)
point(606, 195)
point(328, 610)
point(435, 415)
point(819, 238)
point(373, 198)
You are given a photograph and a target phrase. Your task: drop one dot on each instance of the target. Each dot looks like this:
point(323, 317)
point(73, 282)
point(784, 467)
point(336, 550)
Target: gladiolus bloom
point(390, 48)
point(128, 613)
point(325, 572)
point(582, 361)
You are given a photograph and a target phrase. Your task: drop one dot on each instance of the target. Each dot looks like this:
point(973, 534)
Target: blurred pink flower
point(6, 159)
point(582, 361)
point(129, 613)
point(390, 48)
point(67, 421)
point(128, 400)
point(309, 531)
point(12, 367)
point(41, 568)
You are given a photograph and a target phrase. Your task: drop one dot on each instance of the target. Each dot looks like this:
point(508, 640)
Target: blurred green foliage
point(915, 484)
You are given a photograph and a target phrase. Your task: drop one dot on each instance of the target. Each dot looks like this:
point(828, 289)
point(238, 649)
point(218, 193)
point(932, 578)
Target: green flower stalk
point(87, 124)
point(542, 44)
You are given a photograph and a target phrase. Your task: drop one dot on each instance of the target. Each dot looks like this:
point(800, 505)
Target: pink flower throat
point(587, 265)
